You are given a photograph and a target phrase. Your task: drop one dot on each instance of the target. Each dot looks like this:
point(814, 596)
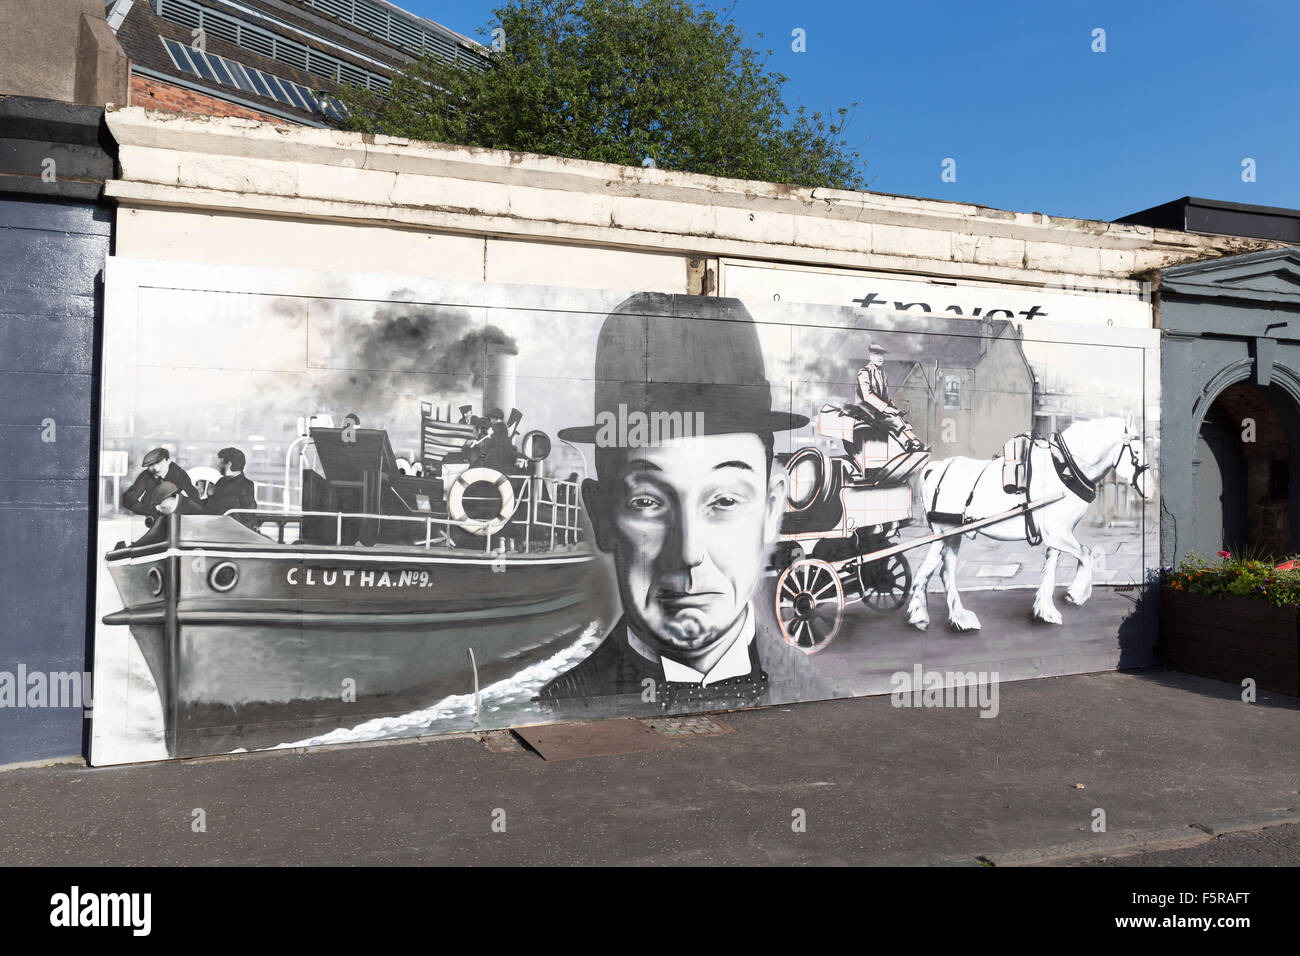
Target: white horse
point(972, 489)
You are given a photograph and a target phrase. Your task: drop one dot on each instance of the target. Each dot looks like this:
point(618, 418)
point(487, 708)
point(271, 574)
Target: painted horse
point(1067, 467)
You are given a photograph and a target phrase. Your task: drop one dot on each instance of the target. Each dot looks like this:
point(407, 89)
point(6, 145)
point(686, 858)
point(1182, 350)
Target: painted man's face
point(159, 468)
point(875, 359)
point(689, 523)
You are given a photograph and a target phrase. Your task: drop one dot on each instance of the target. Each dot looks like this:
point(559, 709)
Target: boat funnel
point(499, 377)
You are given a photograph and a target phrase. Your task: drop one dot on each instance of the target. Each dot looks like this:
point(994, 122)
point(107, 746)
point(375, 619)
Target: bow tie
point(739, 691)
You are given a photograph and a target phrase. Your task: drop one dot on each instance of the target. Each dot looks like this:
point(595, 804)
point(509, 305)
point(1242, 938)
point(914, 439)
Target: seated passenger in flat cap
point(166, 500)
point(158, 467)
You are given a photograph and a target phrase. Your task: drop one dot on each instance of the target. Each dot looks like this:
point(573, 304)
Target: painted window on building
point(952, 392)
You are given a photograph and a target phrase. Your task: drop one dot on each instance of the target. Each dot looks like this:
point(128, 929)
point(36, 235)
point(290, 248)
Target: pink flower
point(1225, 554)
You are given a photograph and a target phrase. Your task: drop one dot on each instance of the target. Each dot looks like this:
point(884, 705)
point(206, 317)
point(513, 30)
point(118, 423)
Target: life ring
point(456, 497)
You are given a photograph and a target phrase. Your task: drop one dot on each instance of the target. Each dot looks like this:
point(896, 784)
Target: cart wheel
point(883, 584)
point(809, 601)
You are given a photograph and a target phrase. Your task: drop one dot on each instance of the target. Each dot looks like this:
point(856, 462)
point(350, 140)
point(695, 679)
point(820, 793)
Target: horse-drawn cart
point(839, 535)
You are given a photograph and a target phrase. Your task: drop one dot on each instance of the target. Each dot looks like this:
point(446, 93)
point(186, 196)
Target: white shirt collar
point(733, 663)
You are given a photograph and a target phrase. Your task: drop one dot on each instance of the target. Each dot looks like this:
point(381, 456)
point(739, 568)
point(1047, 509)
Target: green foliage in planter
point(1244, 577)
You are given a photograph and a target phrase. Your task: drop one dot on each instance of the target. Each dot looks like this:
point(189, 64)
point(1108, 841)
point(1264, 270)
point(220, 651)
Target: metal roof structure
point(282, 57)
point(1214, 217)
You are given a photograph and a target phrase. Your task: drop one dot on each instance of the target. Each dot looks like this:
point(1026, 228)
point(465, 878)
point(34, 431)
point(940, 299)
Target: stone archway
point(1244, 471)
point(1225, 323)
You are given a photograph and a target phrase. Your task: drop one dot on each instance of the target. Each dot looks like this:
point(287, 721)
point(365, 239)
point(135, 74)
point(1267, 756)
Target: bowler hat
point(879, 348)
point(164, 491)
point(697, 356)
point(155, 455)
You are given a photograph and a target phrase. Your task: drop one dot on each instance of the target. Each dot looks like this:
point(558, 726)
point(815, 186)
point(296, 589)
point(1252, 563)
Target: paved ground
point(871, 647)
point(875, 784)
point(1117, 556)
point(1271, 846)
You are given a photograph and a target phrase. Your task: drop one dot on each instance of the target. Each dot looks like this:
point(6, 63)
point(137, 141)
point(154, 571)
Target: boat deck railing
point(533, 524)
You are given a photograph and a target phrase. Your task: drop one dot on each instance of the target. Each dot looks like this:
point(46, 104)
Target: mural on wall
point(346, 507)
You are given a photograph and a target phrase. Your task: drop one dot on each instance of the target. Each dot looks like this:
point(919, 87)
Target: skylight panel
point(179, 56)
point(241, 77)
point(200, 61)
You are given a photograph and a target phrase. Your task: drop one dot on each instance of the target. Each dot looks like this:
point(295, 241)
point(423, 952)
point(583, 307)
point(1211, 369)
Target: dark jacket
point(230, 491)
point(158, 524)
point(877, 385)
point(156, 534)
point(778, 673)
point(492, 450)
point(136, 498)
point(500, 451)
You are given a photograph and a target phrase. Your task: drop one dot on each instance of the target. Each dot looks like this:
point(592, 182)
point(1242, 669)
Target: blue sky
point(1037, 121)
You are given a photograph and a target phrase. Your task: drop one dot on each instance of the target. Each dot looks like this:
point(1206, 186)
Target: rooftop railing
point(533, 524)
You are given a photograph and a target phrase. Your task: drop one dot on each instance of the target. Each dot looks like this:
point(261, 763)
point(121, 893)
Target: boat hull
point(253, 643)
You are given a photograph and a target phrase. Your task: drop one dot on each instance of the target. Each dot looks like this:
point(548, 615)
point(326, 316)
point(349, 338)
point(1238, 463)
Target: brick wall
point(157, 95)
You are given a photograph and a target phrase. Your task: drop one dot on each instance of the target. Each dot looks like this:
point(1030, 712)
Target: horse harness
point(1031, 530)
point(1068, 470)
point(1071, 475)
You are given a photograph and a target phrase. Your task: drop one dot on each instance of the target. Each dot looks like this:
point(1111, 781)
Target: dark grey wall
point(51, 257)
point(1223, 322)
point(54, 240)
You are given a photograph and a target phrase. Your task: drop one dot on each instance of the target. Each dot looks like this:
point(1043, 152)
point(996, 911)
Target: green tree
point(619, 81)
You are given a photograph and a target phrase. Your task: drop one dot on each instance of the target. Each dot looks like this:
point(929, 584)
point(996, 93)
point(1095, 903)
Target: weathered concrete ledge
point(242, 167)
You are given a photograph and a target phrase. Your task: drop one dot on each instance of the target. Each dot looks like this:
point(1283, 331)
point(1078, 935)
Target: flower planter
point(1231, 638)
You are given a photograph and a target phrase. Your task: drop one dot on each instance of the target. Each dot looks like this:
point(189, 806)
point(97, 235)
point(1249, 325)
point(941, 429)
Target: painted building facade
point(977, 387)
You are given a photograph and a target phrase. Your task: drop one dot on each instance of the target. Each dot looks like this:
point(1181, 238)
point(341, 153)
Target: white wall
point(201, 236)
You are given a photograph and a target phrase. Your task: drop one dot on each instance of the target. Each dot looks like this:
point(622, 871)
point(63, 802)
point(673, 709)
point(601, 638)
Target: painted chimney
point(499, 378)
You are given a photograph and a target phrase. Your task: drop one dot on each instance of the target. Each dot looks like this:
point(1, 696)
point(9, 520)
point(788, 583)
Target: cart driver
point(873, 400)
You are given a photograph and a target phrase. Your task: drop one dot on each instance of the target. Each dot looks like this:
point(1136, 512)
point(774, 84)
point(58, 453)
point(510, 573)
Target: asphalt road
point(869, 783)
point(1270, 846)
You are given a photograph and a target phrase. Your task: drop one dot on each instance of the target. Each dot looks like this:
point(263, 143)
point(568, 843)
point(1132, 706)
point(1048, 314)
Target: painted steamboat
point(390, 588)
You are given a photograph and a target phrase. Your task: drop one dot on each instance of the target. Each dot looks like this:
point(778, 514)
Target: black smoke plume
point(383, 368)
